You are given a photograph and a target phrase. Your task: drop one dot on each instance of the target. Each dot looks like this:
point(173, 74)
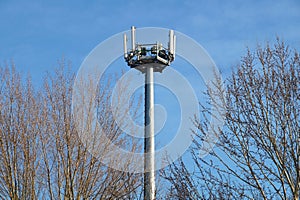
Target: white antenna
point(133, 38)
point(174, 46)
point(171, 41)
point(125, 46)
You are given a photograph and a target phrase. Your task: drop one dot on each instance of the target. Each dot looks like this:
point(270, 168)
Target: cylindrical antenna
point(133, 38)
point(125, 45)
point(174, 46)
point(171, 42)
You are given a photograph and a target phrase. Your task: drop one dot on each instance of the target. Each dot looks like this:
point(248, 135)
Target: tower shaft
point(149, 145)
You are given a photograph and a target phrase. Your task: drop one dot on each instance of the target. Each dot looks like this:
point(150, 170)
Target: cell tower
point(149, 58)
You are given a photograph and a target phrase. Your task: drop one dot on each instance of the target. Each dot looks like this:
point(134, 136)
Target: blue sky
point(36, 34)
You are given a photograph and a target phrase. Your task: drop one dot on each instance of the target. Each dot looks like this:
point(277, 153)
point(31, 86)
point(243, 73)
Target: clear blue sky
point(35, 34)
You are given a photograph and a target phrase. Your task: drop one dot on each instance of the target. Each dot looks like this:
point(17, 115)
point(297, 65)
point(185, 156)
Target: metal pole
point(149, 148)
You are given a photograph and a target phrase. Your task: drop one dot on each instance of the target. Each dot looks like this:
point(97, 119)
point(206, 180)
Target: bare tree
point(41, 153)
point(18, 137)
point(72, 169)
point(258, 153)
